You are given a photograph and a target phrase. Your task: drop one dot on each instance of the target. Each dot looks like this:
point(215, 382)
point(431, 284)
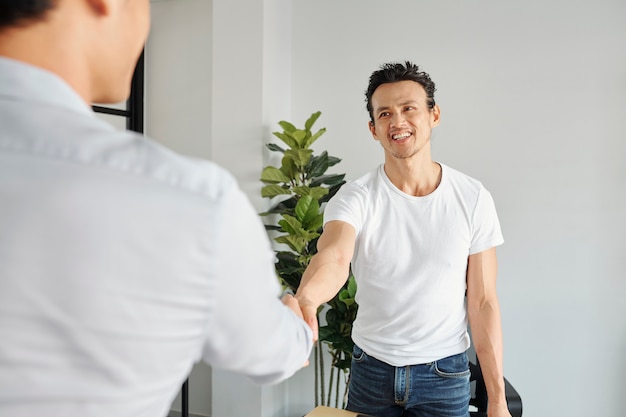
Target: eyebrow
point(404, 103)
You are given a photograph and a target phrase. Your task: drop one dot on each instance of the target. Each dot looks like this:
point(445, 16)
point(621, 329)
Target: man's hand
point(498, 409)
point(309, 314)
point(290, 301)
point(327, 272)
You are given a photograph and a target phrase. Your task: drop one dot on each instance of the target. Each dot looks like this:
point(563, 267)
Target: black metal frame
point(184, 397)
point(134, 112)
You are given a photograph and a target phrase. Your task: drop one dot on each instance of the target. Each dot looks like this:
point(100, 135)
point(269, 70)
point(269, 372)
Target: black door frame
point(134, 112)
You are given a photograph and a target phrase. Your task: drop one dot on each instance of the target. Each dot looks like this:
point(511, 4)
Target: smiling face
point(403, 122)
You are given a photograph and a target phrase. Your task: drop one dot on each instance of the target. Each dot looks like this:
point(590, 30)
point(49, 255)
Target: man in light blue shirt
point(121, 263)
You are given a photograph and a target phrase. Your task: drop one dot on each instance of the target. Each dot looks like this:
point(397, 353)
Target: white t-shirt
point(122, 264)
point(410, 262)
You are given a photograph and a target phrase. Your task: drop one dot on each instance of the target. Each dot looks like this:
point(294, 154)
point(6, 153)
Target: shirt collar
point(25, 82)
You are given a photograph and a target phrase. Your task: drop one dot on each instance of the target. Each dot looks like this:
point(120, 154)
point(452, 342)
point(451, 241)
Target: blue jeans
point(436, 389)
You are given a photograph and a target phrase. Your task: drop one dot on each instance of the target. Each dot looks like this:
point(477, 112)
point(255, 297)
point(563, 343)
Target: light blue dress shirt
point(122, 264)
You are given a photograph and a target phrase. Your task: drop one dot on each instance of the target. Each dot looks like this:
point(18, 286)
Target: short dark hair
point(18, 12)
point(396, 71)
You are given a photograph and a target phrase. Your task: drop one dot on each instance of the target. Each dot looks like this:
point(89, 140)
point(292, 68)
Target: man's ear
point(100, 7)
point(372, 128)
point(436, 112)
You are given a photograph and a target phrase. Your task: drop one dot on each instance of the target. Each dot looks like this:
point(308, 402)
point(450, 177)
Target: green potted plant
point(298, 189)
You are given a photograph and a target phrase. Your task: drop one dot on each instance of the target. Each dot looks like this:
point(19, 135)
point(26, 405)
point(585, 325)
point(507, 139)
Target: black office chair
point(479, 392)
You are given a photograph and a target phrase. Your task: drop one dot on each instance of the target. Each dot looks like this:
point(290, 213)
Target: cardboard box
point(322, 411)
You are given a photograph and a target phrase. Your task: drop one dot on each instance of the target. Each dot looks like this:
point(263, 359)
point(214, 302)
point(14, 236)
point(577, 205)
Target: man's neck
point(47, 49)
point(414, 176)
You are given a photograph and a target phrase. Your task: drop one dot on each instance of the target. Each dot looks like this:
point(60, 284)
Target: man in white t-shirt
point(420, 237)
point(121, 263)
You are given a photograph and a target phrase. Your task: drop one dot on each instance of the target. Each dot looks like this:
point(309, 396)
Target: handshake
point(303, 309)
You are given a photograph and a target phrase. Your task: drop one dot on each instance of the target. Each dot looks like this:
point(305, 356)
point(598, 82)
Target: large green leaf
point(352, 286)
point(314, 137)
point(332, 191)
point(339, 306)
point(309, 215)
point(311, 120)
point(286, 258)
point(300, 157)
point(318, 192)
point(300, 137)
point(317, 165)
point(287, 127)
point(333, 160)
point(324, 333)
point(331, 317)
point(315, 223)
point(307, 208)
point(331, 179)
point(273, 175)
point(290, 224)
point(287, 262)
point(346, 298)
point(289, 168)
point(289, 141)
point(296, 243)
point(315, 192)
point(273, 190)
point(289, 269)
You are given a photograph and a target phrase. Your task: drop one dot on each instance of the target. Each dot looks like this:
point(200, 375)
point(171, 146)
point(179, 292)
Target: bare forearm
point(486, 329)
point(327, 271)
point(484, 316)
point(322, 280)
point(329, 268)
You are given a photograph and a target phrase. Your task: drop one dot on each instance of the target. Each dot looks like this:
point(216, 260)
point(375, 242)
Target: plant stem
point(337, 389)
point(346, 389)
point(322, 380)
point(316, 374)
point(330, 382)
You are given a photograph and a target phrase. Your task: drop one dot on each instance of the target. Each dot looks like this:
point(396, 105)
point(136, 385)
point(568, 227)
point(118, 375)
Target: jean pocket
point(358, 355)
point(455, 366)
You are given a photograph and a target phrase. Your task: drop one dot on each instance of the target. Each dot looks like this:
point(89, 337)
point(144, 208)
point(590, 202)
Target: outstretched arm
point(327, 271)
point(250, 331)
point(484, 317)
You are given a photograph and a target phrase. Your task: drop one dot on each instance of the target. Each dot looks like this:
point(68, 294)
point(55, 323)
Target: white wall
point(533, 98)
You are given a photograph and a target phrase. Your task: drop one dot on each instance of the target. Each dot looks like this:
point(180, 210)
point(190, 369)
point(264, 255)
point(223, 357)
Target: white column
point(251, 93)
point(237, 91)
point(218, 81)
point(238, 146)
point(178, 109)
point(178, 76)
